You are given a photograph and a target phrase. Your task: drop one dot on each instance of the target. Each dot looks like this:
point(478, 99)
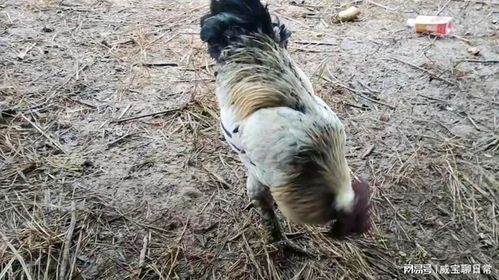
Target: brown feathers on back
point(262, 75)
point(250, 95)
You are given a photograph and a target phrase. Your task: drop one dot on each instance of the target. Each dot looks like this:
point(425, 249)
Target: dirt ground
point(92, 187)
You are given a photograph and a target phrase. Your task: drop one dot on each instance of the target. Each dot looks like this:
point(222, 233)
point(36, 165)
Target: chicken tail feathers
point(228, 20)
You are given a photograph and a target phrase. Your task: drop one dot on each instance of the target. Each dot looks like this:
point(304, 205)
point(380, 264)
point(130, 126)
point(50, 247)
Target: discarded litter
point(349, 14)
point(431, 24)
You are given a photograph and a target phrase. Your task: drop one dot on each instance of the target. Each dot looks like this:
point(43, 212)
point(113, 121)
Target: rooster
point(290, 141)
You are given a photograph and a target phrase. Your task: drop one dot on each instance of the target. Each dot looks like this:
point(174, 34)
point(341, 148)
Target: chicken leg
point(262, 200)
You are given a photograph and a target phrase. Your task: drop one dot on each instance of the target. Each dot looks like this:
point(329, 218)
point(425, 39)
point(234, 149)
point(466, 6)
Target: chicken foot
point(262, 200)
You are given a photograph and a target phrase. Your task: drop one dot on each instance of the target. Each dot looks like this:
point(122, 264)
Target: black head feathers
point(228, 20)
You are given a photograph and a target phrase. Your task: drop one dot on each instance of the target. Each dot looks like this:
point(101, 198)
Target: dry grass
point(112, 165)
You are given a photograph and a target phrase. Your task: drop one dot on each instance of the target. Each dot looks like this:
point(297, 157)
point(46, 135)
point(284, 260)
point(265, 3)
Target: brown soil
point(87, 196)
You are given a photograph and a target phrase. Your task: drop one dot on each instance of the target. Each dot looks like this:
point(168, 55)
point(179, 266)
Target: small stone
point(384, 118)
point(87, 163)
point(64, 123)
point(191, 192)
point(47, 29)
point(473, 51)
point(462, 130)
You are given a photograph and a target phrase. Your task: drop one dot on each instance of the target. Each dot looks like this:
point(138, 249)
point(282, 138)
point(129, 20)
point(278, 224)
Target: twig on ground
point(360, 94)
point(478, 61)
point(172, 265)
point(363, 108)
point(39, 129)
point(484, 2)
point(368, 152)
point(433, 98)
point(367, 87)
point(67, 242)
point(143, 251)
point(119, 140)
point(460, 38)
point(17, 255)
point(381, 6)
point(207, 202)
point(161, 36)
point(159, 64)
point(73, 263)
point(443, 7)
point(82, 102)
point(472, 121)
point(149, 115)
point(366, 97)
point(319, 43)
point(249, 206)
point(124, 111)
point(22, 54)
point(252, 257)
point(218, 177)
point(426, 71)
point(7, 267)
